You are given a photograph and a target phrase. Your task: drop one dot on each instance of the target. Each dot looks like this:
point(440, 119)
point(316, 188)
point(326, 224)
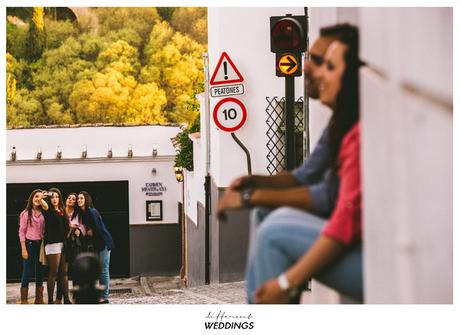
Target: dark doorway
point(110, 199)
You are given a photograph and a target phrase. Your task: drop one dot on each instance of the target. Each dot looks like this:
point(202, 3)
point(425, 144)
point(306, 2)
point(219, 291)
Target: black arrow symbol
point(292, 63)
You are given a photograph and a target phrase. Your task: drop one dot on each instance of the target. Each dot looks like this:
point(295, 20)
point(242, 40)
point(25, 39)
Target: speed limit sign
point(229, 114)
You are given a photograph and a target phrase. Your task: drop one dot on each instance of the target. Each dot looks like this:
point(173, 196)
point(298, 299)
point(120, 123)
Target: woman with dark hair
point(31, 228)
point(98, 236)
point(286, 255)
point(56, 228)
point(73, 245)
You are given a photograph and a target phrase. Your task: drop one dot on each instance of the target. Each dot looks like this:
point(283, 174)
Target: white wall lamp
point(154, 171)
point(39, 154)
point(84, 151)
point(13, 154)
point(154, 151)
point(59, 152)
point(130, 151)
point(109, 152)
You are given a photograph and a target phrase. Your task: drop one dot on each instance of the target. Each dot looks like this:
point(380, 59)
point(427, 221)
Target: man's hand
point(270, 293)
point(242, 182)
point(230, 200)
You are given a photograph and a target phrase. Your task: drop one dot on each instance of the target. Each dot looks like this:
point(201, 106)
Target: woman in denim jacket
point(99, 236)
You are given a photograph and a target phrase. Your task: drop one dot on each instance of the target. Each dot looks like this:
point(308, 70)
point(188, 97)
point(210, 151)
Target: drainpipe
point(306, 104)
point(207, 178)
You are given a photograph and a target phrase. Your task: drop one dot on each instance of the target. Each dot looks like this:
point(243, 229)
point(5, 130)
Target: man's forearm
point(281, 180)
point(298, 197)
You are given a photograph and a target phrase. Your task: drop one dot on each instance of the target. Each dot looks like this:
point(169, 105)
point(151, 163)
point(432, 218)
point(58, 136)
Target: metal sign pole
point(289, 118)
point(207, 177)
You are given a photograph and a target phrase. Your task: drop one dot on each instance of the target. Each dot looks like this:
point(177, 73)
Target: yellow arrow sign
point(287, 64)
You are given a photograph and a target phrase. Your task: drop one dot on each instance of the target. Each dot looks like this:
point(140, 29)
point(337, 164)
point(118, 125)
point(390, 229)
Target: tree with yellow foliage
point(36, 39)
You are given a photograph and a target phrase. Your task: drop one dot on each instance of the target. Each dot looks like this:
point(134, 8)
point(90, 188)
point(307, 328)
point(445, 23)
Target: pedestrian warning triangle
point(225, 72)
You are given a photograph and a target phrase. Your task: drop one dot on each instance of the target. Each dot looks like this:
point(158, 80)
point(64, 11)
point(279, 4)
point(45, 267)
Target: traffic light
point(288, 39)
point(288, 33)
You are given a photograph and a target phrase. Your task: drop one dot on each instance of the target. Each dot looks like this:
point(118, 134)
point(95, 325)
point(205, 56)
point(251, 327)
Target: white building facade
point(136, 192)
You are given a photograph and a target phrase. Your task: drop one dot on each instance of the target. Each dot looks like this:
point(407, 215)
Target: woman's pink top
point(76, 223)
point(345, 223)
point(32, 230)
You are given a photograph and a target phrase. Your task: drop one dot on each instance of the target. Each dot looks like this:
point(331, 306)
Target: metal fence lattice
point(276, 132)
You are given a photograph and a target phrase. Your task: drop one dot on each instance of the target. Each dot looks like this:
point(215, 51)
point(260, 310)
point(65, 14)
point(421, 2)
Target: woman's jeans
point(104, 257)
point(32, 264)
point(279, 238)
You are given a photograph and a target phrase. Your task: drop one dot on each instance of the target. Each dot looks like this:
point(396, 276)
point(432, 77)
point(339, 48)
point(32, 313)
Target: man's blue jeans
point(104, 257)
point(32, 264)
point(279, 238)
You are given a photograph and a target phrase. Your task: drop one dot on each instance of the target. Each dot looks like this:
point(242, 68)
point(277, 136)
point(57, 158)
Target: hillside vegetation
point(136, 65)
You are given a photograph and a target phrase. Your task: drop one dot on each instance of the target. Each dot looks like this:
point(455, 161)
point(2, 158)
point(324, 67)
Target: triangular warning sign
point(225, 72)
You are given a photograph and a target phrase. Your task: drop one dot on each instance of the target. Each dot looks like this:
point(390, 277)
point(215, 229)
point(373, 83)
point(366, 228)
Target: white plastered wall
point(244, 33)
point(137, 170)
point(407, 154)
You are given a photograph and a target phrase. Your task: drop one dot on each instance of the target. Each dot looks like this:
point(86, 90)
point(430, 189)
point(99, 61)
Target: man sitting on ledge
point(312, 187)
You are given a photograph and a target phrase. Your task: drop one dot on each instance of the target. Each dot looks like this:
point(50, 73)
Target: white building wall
point(406, 113)
point(244, 33)
point(96, 167)
point(137, 174)
point(407, 154)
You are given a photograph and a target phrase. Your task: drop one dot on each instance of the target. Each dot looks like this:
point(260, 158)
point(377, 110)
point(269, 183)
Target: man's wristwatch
point(246, 197)
point(283, 282)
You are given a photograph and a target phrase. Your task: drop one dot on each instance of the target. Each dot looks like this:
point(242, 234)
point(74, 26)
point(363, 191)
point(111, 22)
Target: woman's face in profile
point(81, 201)
point(331, 73)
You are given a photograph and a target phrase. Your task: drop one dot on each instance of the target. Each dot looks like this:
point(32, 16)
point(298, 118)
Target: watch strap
point(283, 282)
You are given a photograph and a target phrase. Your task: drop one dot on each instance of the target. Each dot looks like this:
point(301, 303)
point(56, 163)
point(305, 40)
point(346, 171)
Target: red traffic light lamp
point(288, 33)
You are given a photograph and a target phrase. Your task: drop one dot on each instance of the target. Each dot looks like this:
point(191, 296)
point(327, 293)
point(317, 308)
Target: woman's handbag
point(42, 256)
point(73, 246)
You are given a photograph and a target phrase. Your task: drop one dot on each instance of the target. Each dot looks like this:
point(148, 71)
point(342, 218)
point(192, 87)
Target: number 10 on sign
point(229, 114)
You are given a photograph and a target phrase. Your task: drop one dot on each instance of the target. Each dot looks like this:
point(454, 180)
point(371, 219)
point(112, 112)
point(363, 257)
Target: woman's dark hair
point(347, 107)
point(88, 202)
point(61, 206)
point(30, 204)
point(75, 212)
point(88, 199)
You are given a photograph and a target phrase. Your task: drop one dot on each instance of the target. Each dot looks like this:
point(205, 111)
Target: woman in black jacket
point(56, 228)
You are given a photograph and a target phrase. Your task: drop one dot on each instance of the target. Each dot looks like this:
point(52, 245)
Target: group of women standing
point(53, 234)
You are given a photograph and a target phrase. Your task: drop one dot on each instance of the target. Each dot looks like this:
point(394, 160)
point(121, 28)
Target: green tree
point(36, 39)
point(184, 158)
point(105, 98)
point(166, 12)
point(129, 67)
point(59, 31)
point(191, 21)
point(16, 39)
point(10, 88)
point(178, 67)
point(139, 19)
point(146, 104)
point(24, 110)
point(121, 57)
point(55, 75)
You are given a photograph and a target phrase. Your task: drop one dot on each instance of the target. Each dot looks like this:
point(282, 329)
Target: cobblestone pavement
point(156, 290)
